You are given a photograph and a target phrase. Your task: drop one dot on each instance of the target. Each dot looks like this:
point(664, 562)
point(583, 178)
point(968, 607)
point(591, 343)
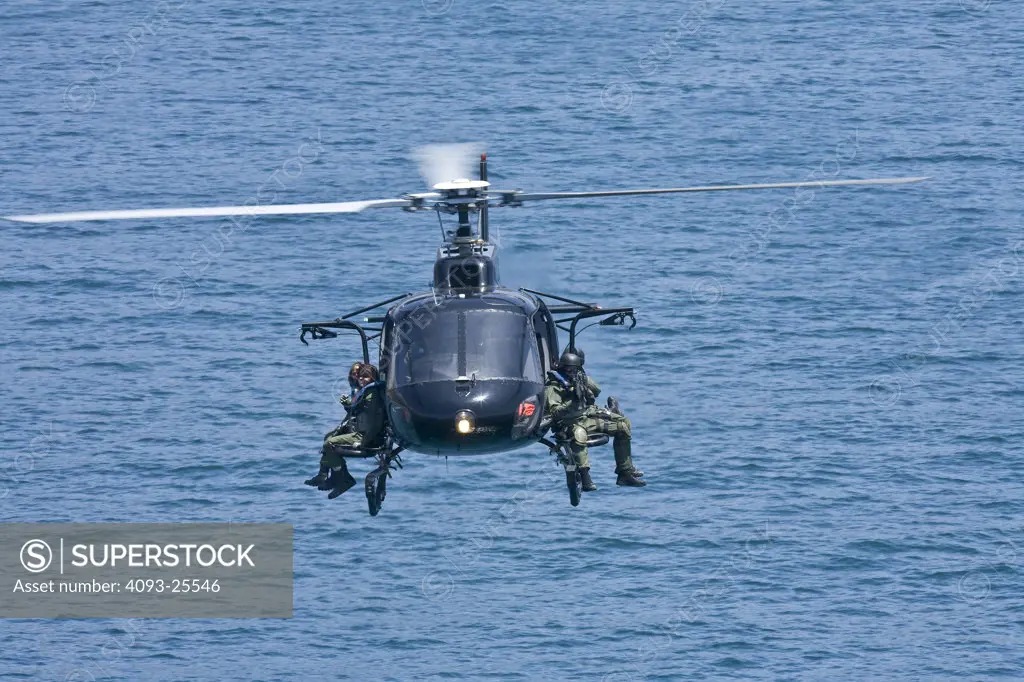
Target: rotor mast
point(466, 260)
point(462, 198)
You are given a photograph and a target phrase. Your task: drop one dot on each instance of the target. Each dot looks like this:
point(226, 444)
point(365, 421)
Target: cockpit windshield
point(474, 344)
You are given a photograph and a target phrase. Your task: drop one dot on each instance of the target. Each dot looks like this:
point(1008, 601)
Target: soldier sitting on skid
point(363, 427)
point(570, 396)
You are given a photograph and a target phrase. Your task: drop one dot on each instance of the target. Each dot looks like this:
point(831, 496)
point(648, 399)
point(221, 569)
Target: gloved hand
point(581, 393)
point(346, 401)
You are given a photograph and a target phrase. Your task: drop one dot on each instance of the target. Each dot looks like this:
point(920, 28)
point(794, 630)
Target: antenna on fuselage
point(483, 207)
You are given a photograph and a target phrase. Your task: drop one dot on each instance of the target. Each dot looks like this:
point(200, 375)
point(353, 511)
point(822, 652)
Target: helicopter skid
point(376, 482)
point(574, 483)
point(376, 490)
point(573, 480)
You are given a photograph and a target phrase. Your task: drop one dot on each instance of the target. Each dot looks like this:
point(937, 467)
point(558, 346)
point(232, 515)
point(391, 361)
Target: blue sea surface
point(826, 386)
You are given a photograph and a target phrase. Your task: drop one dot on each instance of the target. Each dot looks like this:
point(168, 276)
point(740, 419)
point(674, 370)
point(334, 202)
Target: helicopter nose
point(444, 418)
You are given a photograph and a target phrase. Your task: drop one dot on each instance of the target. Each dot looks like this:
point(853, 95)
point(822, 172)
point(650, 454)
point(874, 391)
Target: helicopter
point(464, 365)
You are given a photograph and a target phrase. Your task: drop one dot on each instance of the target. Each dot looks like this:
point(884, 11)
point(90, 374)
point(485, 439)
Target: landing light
point(464, 422)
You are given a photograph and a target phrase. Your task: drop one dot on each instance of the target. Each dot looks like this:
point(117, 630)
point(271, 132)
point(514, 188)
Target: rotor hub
point(461, 187)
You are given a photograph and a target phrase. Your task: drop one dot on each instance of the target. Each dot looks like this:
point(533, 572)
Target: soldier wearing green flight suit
point(362, 428)
point(322, 481)
point(570, 397)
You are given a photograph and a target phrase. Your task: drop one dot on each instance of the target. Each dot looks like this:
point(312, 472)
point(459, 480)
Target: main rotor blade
point(212, 211)
point(536, 196)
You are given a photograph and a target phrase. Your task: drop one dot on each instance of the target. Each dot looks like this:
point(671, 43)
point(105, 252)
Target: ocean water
point(825, 387)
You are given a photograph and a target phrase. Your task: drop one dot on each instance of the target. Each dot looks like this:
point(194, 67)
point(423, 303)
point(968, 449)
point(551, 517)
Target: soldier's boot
point(320, 478)
point(626, 472)
point(324, 474)
point(328, 482)
point(627, 478)
point(586, 480)
point(342, 481)
point(326, 458)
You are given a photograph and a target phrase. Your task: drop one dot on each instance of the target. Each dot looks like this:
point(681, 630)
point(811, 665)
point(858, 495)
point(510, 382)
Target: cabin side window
point(540, 328)
point(548, 336)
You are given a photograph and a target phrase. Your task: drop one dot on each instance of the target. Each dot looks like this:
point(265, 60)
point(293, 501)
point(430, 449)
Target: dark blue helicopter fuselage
point(475, 356)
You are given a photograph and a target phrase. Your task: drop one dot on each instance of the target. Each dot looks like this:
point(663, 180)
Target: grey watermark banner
point(145, 570)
